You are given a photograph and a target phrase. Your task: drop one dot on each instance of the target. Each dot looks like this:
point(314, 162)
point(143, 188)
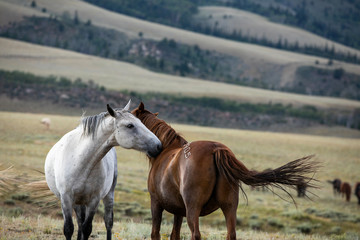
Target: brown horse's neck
point(167, 135)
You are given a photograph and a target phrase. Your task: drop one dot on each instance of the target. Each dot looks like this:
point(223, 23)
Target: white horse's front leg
point(90, 212)
point(80, 216)
point(66, 206)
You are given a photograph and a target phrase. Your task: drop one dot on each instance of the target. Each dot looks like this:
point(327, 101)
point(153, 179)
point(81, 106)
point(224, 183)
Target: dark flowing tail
point(291, 174)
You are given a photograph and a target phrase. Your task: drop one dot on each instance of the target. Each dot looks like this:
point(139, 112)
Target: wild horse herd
point(187, 179)
point(344, 189)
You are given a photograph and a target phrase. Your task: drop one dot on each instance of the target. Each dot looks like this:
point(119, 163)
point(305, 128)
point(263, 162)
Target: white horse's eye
point(130, 126)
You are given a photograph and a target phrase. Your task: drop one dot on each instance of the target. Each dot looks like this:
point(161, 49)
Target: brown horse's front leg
point(175, 234)
point(156, 212)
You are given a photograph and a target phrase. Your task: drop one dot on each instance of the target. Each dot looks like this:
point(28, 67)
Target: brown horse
point(194, 179)
point(357, 191)
point(345, 190)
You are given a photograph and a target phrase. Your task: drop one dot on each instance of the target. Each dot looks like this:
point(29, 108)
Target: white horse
point(46, 122)
point(81, 168)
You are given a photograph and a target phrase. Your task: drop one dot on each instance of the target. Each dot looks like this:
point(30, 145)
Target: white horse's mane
point(91, 123)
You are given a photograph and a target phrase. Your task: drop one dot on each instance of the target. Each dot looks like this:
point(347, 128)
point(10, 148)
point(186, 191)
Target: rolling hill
point(261, 62)
point(253, 25)
point(36, 59)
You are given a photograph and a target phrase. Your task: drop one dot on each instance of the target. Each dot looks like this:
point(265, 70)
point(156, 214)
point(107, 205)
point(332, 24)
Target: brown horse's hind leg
point(228, 199)
point(175, 234)
point(192, 216)
point(156, 212)
point(230, 217)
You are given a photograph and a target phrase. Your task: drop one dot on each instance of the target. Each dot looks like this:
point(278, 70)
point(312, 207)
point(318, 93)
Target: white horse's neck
point(92, 148)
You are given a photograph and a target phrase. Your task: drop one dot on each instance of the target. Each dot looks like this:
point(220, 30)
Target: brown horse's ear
point(156, 114)
point(141, 106)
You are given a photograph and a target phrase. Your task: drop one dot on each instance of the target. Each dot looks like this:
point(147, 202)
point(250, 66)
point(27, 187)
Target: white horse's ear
point(111, 111)
point(127, 107)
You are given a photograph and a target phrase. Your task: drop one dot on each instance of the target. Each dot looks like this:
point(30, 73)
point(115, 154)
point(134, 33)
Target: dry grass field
point(259, 59)
point(230, 19)
point(24, 143)
point(45, 61)
point(44, 227)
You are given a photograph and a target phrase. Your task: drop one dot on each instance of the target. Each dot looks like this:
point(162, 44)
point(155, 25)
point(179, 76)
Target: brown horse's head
point(167, 135)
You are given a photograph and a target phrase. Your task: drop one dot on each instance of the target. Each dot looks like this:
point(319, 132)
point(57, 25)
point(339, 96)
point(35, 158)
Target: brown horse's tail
point(291, 174)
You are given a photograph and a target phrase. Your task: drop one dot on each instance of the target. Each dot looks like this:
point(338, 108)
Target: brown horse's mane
point(166, 134)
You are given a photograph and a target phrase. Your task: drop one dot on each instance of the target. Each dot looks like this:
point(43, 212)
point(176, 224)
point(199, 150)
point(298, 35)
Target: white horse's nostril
point(159, 147)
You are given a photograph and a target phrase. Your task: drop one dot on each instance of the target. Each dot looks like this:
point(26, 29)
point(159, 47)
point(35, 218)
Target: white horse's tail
point(8, 180)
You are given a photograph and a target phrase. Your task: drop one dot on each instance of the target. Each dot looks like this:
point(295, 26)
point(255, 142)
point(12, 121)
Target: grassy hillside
point(165, 56)
point(170, 57)
point(261, 62)
point(47, 61)
point(230, 20)
point(333, 19)
point(11, 12)
point(25, 143)
point(27, 92)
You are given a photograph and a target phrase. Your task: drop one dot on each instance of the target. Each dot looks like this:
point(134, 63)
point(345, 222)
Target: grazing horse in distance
point(46, 122)
point(345, 190)
point(357, 191)
point(336, 186)
point(195, 179)
point(81, 168)
point(301, 189)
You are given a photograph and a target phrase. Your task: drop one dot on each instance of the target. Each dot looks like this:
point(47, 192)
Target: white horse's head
point(131, 133)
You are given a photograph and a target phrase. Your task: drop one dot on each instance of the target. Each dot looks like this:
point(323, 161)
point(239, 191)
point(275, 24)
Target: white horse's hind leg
point(66, 205)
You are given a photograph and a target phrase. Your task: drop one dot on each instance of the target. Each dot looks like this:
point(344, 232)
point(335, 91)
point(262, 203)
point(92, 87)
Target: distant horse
point(336, 186)
point(357, 191)
point(46, 122)
point(301, 189)
point(81, 168)
point(345, 190)
point(194, 179)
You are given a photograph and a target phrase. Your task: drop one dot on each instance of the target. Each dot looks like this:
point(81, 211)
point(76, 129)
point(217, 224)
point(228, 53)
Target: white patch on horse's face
point(131, 133)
